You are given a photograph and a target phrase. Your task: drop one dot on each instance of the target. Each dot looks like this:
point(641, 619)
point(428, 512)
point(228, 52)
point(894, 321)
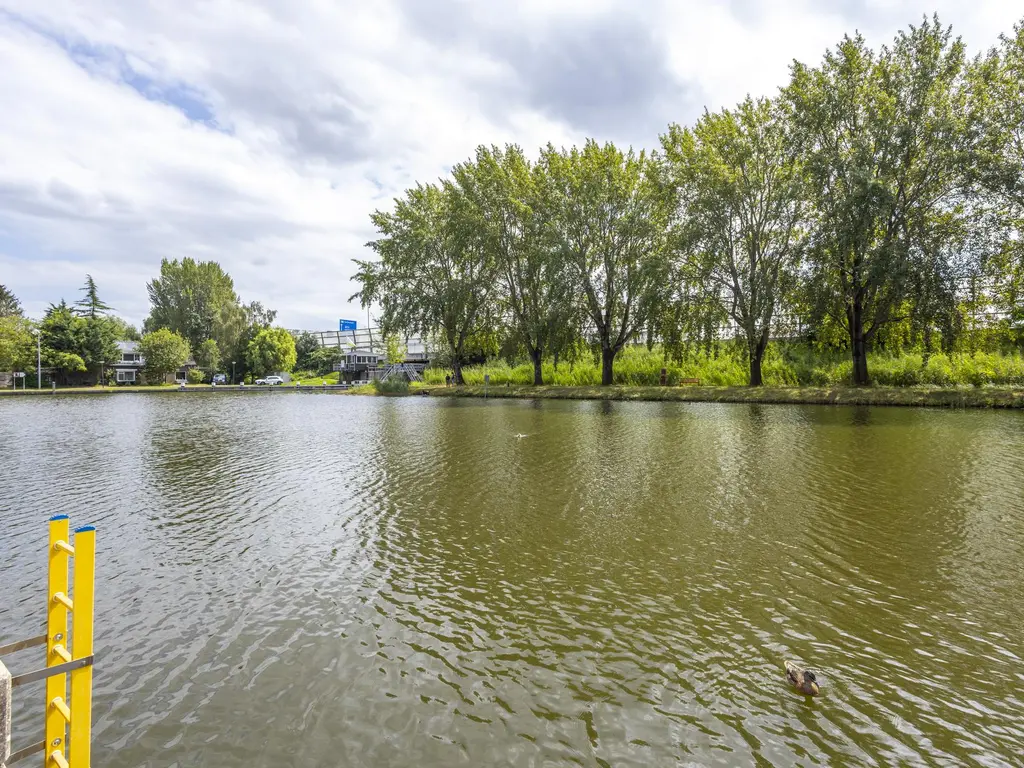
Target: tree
point(207, 356)
point(271, 350)
point(395, 350)
point(506, 199)
point(17, 344)
point(255, 318)
point(883, 141)
point(164, 352)
point(9, 304)
point(610, 215)
point(306, 346)
point(62, 339)
point(322, 360)
point(123, 330)
point(741, 206)
point(435, 275)
point(196, 300)
point(91, 305)
point(997, 172)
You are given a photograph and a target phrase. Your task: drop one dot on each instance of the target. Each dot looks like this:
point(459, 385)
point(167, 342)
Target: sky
point(263, 133)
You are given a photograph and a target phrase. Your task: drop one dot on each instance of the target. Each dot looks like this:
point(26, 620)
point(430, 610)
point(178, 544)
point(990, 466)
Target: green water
point(315, 580)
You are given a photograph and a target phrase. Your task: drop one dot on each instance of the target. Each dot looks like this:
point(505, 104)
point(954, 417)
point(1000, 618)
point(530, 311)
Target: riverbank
point(967, 397)
point(170, 388)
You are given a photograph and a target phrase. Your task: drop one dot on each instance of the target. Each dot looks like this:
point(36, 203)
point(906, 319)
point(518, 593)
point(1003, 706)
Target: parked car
point(220, 378)
point(270, 380)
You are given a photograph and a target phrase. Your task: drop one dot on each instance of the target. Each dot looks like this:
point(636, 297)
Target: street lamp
point(39, 360)
point(232, 372)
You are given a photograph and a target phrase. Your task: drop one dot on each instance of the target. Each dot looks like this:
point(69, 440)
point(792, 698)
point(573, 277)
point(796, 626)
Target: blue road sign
point(346, 325)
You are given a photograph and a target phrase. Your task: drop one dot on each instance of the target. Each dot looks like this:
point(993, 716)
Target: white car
point(271, 380)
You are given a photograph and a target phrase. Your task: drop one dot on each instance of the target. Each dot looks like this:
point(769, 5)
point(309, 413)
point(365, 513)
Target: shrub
point(394, 386)
point(195, 376)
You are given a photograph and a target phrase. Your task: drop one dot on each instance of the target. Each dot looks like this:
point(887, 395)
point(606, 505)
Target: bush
point(195, 376)
point(395, 386)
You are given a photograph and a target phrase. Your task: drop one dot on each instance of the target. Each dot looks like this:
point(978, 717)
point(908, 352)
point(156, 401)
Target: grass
point(310, 379)
point(783, 367)
point(969, 397)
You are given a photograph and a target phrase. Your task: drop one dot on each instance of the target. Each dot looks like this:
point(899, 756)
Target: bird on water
point(802, 679)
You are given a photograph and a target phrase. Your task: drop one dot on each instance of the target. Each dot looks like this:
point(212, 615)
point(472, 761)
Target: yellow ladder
point(69, 653)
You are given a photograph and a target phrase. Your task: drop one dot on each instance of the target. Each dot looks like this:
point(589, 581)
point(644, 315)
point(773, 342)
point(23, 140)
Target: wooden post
point(5, 715)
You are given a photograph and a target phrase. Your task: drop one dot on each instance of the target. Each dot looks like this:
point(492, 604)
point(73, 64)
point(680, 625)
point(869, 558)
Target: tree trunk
point(756, 356)
point(859, 344)
point(538, 372)
point(607, 361)
point(457, 370)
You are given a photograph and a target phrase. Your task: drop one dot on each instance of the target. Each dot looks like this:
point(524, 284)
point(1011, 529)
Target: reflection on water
point(318, 580)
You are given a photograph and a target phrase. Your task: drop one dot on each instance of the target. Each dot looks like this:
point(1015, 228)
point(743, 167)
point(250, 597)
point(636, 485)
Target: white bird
point(520, 436)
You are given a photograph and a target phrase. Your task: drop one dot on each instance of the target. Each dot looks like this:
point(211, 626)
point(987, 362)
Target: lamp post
point(39, 359)
point(232, 372)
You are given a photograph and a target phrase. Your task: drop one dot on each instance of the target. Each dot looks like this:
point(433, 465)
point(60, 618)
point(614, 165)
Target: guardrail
point(69, 655)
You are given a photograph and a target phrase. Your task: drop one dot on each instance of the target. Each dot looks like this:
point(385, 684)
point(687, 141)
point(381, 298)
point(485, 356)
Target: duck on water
point(803, 680)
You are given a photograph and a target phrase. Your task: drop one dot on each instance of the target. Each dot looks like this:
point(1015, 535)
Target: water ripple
point(314, 580)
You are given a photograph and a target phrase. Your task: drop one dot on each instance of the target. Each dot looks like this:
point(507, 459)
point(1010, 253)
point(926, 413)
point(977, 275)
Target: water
point(318, 580)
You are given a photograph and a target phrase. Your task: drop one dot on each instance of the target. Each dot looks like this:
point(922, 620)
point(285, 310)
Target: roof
point(128, 346)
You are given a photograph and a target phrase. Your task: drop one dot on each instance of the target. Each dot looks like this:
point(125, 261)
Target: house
point(128, 369)
point(358, 365)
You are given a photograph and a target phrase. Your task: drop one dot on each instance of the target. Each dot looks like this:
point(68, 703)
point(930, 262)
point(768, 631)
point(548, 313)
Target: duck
point(803, 680)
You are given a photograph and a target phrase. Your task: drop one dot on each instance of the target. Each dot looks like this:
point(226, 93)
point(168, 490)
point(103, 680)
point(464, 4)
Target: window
point(126, 377)
point(130, 357)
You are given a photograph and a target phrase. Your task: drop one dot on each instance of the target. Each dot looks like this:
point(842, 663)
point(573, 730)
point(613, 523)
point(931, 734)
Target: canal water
point(316, 580)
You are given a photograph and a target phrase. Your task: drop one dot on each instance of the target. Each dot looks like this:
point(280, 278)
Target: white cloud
point(263, 134)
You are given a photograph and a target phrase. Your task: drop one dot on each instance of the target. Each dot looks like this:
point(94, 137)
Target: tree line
point(875, 202)
point(195, 316)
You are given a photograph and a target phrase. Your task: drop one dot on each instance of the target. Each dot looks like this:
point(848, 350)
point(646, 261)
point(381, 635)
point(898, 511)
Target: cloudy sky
point(262, 133)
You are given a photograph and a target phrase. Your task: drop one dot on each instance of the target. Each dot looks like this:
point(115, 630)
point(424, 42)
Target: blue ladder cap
point(58, 517)
point(85, 528)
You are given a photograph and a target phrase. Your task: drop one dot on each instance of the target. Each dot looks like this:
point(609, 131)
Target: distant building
point(128, 369)
point(359, 366)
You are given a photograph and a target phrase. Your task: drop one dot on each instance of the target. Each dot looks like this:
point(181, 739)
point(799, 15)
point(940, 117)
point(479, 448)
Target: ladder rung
point(61, 651)
point(57, 758)
point(67, 602)
point(62, 707)
point(63, 546)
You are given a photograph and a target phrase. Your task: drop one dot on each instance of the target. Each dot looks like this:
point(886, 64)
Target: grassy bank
point(784, 367)
point(973, 397)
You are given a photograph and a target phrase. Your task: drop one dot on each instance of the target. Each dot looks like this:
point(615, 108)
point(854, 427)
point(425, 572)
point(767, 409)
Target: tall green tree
point(164, 352)
point(306, 346)
point(272, 350)
point(62, 339)
point(17, 344)
point(197, 300)
point(9, 304)
point(610, 215)
point(91, 305)
point(207, 356)
point(883, 143)
point(255, 318)
point(506, 200)
point(997, 171)
point(435, 276)
point(741, 197)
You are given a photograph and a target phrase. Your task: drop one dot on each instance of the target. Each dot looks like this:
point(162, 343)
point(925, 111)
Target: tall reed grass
point(783, 367)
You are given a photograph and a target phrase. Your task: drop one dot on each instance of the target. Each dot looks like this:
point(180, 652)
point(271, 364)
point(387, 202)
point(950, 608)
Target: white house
point(128, 369)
